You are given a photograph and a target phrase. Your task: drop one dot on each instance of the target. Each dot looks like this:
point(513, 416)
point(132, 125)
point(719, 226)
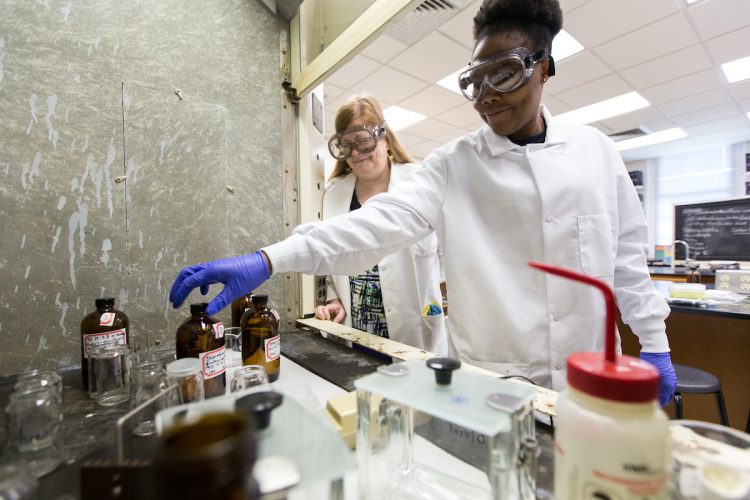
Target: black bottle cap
point(260, 299)
point(443, 369)
point(104, 302)
point(198, 308)
point(259, 405)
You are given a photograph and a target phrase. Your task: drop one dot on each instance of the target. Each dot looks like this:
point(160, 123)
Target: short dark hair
point(539, 20)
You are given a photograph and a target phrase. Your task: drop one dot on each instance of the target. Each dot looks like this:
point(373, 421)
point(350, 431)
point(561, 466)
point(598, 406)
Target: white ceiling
point(667, 51)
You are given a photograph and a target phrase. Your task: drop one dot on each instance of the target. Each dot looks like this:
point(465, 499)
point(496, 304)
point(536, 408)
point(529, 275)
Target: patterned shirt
point(368, 312)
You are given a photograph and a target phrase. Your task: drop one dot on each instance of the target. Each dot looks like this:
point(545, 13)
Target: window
point(697, 176)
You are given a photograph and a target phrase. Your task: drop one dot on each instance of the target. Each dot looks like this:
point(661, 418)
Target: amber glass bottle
point(202, 337)
point(106, 325)
point(261, 344)
point(212, 457)
point(694, 275)
point(239, 306)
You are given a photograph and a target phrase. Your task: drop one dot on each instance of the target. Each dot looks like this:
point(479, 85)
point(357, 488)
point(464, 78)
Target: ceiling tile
point(683, 87)
point(576, 70)
point(648, 42)
point(731, 123)
point(460, 27)
point(555, 106)
point(432, 58)
point(745, 105)
point(716, 17)
point(390, 85)
point(595, 91)
point(601, 20)
point(353, 71)
point(331, 91)
point(740, 90)
point(568, 5)
point(422, 149)
point(707, 115)
point(731, 46)
point(663, 69)
point(696, 102)
point(384, 48)
point(429, 128)
point(633, 119)
point(432, 100)
point(462, 115)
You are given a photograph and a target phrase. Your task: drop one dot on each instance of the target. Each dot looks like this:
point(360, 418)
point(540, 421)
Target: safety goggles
point(363, 138)
point(503, 72)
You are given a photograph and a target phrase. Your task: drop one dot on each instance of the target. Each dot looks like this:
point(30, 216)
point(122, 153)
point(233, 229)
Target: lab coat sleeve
point(641, 306)
point(350, 243)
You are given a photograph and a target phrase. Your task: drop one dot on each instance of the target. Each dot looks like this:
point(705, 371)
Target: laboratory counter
point(679, 273)
point(714, 338)
point(328, 367)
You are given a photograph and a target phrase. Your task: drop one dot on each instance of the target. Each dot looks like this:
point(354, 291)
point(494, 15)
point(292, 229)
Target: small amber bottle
point(106, 325)
point(239, 306)
point(261, 343)
point(694, 276)
point(202, 337)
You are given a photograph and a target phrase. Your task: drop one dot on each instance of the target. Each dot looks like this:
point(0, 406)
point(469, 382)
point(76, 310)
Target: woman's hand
point(332, 311)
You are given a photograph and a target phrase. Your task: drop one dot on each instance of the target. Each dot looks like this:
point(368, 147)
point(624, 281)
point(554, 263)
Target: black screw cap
point(259, 405)
point(443, 369)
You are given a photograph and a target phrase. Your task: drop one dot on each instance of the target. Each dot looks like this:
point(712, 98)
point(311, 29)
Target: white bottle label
point(218, 329)
point(275, 314)
point(273, 348)
point(107, 319)
point(213, 362)
point(106, 338)
point(615, 478)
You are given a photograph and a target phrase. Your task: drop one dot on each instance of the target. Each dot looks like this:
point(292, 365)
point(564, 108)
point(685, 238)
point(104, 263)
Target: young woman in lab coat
point(400, 296)
point(523, 187)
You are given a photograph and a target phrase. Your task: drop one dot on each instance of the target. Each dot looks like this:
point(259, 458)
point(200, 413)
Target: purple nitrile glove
point(239, 275)
point(668, 379)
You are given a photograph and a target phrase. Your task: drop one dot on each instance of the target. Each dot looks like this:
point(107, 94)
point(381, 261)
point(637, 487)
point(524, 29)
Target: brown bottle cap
point(198, 308)
point(260, 299)
point(105, 301)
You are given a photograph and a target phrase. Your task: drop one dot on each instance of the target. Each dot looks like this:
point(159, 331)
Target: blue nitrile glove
point(239, 275)
point(667, 376)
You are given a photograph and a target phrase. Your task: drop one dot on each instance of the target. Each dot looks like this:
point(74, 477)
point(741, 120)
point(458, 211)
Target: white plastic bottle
point(611, 436)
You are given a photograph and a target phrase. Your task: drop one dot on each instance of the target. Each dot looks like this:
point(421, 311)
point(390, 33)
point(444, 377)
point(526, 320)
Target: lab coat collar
point(499, 144)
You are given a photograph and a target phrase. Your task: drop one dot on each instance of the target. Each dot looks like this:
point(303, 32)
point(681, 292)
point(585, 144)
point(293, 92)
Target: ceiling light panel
point(605, 109)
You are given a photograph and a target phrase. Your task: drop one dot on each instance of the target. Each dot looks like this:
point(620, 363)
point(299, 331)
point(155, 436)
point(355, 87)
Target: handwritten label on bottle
point(107, 338)
point(213, 362)
point(107, 319)
point(273, 348)
point(218, 329)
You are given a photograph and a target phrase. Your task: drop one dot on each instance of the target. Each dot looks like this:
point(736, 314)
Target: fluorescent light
point(605, 109)
point(690, 1)
point(564, 45)
point(398, 118)
point(450, 82)
point(647, 140)
point(748, 115)
point(737, 70)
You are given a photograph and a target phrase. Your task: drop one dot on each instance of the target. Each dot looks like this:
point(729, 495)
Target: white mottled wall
point(109, 181)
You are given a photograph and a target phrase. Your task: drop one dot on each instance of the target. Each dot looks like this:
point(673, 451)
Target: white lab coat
point(495, 206)
point(410, 278)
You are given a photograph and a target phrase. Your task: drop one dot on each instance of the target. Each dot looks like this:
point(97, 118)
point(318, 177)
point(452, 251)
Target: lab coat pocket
point(595, 245)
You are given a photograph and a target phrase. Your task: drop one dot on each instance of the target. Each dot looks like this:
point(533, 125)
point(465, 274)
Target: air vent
point(426, 18)
point(628, 134)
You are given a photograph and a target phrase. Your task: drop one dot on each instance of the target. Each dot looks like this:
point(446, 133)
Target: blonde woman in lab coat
point(522, 187)
point(400, 296)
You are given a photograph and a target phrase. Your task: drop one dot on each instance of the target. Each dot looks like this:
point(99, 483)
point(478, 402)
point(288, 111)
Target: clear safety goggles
point(503, 72)
point(363, 138)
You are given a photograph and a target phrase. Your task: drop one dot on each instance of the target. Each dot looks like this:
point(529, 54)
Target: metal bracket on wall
point(291, 91)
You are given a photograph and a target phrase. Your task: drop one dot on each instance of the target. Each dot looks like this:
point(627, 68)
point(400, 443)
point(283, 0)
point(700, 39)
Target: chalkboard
point(718, 230)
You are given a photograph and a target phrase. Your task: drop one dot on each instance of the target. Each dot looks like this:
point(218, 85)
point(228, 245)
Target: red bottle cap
point(606, 375)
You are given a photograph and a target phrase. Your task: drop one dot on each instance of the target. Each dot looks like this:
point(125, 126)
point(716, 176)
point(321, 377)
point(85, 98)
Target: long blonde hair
point(368, 109)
